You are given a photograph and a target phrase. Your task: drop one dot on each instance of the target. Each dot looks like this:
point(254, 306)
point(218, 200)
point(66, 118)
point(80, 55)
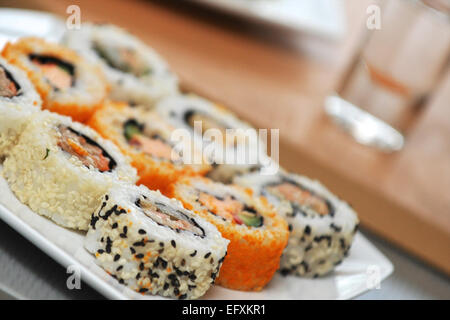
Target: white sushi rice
point(51, 181)
point(317, 242)
point(176, 109)
point(149, 257)
point(15, 111)
point(125, 86)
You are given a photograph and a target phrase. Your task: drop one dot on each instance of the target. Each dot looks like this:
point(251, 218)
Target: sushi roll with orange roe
point(147, 139)
point(257, 234)
point(67, 84)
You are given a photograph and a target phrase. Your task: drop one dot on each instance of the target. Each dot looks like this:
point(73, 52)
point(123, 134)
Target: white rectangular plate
point(318, 17)
point(364, 266)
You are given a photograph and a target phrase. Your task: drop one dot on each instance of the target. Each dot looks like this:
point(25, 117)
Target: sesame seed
point(116, 257)
point(173, 243)
point(207, 255)
point(142, 231)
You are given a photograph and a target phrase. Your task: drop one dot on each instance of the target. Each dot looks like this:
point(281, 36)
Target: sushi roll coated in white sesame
point(18, 100)
point(135, 72)
point(61, 169)
point(231, 145)
point(321, 225)
point(153, 245)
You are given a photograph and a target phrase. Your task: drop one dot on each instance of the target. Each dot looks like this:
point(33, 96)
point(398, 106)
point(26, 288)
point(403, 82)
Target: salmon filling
point(231, 209)
point(301, 197)
point(87, 152)
point(59, 73)
point(178, 221)
point(124, 59)
point(8, 87)
point(154, 146)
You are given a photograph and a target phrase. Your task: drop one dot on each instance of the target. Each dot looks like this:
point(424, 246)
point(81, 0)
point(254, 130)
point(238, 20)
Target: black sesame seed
point(138, 276)
point(193, 253)
point(121, 281)
point(173, 243)
point(100, 251)
point(115, 225)
point(119, 268)
point(207, 255)
point(116, 257)
point(132, 250)
point(166, 286)
point(193, 277)
point(139, 255)
point(123, 235)
point(143, 290)
point(161, 244)
point(141, 266)
point(142, 231)
point(125, 229)
point(307, 230)
point(183, 296)
point(176, 291)
point(190, 287)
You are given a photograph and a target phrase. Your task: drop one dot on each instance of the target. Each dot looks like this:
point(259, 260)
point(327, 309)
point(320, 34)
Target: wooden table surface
point(280, 81)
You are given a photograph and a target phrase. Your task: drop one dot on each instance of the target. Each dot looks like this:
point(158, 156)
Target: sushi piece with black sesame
point(154, 245)
point(321, 225)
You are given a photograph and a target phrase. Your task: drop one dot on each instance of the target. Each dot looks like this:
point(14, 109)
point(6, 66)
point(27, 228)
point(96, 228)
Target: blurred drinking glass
point(396, 70)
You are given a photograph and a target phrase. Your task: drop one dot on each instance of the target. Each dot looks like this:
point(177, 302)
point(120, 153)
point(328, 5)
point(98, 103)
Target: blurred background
point(359, 89)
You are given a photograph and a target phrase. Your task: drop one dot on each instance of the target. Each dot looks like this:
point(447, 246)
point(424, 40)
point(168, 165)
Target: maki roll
point(67, 84)
point(135, 72)
point(232, 145)
point(147, 139)
point(153, 245)
point(257, 234)
point(321, 225)
point(18, 100)
point(61, 169)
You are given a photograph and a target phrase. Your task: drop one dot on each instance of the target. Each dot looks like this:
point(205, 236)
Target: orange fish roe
point(154, 172)
point(58, 74)
point(253, 254)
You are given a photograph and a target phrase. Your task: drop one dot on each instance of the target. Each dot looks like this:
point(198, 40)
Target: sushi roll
point(135, 72)
point(257, 234)
point(153, 245)
point(67, 84)
point(18, 100)
point(231, 145)
point(321, 225)
point(147, 139)
point(61, 169)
